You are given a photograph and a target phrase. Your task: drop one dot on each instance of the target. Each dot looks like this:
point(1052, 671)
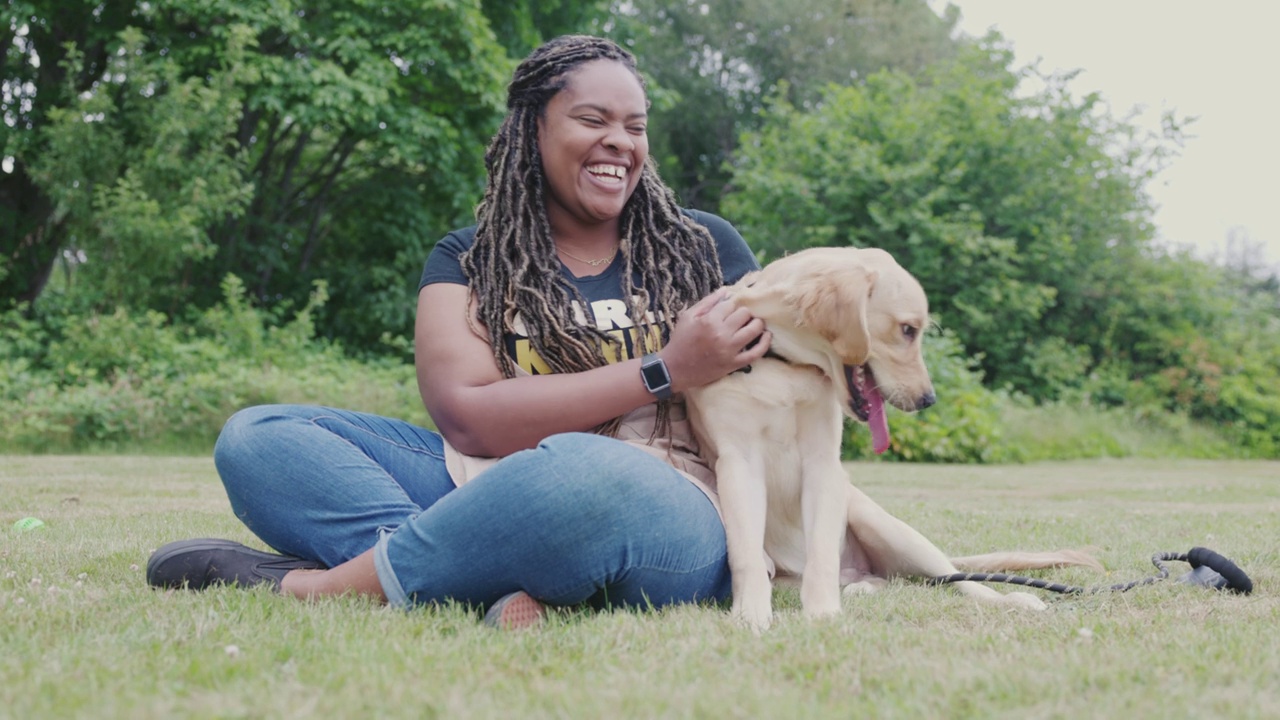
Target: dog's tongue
point(876, 420)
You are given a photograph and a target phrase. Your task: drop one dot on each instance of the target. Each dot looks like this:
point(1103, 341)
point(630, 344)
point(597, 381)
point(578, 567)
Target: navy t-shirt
point(603, 292)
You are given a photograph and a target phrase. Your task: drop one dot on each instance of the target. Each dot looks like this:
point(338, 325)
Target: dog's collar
point(771, 354)
point(767, 353)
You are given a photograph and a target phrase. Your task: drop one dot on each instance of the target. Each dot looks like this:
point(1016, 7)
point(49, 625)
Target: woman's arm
point(484, 414)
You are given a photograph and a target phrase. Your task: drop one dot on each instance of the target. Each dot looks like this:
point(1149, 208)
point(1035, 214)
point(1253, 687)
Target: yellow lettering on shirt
point(531, 361)
point(610, 314)
point(611, 317)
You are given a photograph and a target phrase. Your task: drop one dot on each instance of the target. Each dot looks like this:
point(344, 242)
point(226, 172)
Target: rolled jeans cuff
point(391, 586)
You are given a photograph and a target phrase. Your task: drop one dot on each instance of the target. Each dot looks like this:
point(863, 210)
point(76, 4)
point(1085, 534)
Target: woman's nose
point(619, 140)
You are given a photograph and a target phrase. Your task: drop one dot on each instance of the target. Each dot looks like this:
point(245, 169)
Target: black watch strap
point(653, 371)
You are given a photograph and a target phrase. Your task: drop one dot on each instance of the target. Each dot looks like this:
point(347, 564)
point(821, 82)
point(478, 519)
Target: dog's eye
point(910, 332)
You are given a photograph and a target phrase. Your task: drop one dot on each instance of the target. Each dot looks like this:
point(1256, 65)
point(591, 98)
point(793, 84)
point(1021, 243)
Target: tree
point(139, 165)
point(714, 64)
point(1197, 340)
point(1021, 216)
point(521, 25)
point(169, 143)
point(36, 37)
point(1246, 260)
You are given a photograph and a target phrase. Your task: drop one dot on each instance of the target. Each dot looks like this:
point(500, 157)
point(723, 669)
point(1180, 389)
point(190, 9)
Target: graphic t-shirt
point(602, 292)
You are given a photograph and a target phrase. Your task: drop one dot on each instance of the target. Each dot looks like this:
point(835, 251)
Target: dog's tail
point(1017, 560)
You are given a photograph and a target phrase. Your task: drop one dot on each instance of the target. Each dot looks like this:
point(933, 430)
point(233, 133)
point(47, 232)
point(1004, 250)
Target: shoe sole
point(517, 611)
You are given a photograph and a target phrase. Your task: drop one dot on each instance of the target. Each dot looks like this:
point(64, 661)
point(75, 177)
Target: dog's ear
point(832, 301)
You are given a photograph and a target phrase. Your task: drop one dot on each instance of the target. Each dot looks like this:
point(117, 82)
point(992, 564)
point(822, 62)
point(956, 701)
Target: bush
point(972, 424)
point(73, 382)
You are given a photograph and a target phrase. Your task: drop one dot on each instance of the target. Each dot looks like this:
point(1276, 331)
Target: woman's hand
point(710, 339)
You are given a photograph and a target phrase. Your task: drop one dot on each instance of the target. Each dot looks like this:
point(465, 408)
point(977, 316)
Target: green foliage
point(75, 380)
point(364, 127)
point(141, 167)
point(1026, 222)
point(165, 144)
point(521, 25)
point(1070, 431)
point(713, 64)
point(974, 424)
point(1010, 211)
point(125, 381)
point(1195, 340)
point(36, 36)
point(197, 170)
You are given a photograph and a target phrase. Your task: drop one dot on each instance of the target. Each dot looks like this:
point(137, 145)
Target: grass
point(1068, 431)
point(82, 636)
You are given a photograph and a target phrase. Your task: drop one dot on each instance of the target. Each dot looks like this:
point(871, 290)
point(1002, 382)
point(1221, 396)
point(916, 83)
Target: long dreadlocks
point(513, 268)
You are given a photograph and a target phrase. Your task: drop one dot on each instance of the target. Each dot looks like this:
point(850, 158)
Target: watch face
point(655, 375)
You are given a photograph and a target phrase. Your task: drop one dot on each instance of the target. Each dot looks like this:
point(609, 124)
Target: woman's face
point(593, 141)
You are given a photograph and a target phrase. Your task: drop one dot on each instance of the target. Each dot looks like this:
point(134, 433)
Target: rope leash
point(1208, 568)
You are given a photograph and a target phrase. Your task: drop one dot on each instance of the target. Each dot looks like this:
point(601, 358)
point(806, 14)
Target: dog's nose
point(926, 400)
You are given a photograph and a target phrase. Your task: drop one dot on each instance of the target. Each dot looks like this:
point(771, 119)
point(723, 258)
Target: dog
point(847, 327)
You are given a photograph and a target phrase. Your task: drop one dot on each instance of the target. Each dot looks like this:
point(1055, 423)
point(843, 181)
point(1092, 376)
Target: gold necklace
point(593, 263)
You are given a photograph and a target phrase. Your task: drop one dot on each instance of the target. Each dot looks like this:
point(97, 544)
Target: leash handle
point(1236, 580)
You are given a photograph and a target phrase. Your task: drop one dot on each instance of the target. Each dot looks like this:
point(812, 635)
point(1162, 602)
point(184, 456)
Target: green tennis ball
point(28, 523)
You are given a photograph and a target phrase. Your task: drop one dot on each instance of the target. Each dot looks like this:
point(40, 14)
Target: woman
point(547, 357)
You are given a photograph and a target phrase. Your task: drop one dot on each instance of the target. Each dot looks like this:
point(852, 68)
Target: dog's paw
point(756, 616)
point(817, 611)
point(1025, 601)
point(757, 623)
point(820, 600)
point(867, 585)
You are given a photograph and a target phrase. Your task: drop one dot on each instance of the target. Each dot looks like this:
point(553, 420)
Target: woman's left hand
point(711, 339)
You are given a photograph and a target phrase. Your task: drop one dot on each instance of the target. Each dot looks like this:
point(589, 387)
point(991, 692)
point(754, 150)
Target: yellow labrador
point(847, 326)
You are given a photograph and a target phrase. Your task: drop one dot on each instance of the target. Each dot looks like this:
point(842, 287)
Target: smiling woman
point(553, 342)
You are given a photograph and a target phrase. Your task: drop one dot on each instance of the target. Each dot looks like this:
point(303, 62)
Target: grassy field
point(81, 635)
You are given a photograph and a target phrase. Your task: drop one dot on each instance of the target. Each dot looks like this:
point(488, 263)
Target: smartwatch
point(653, 371)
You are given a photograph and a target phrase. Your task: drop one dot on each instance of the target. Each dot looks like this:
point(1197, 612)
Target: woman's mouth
point(608, 173)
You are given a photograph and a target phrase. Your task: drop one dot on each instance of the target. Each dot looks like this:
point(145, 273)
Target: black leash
point(1208, 568)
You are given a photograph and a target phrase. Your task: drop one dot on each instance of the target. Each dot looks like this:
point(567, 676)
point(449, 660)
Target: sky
point(1218, 62)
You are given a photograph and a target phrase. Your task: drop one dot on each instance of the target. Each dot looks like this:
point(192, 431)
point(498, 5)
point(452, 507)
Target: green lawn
point(81, 635)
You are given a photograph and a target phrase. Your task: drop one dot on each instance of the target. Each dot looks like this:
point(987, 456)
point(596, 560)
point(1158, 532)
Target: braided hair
point(513, 267)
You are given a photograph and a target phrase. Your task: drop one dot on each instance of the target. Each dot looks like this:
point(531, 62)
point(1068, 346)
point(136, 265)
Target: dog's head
point(860, 317)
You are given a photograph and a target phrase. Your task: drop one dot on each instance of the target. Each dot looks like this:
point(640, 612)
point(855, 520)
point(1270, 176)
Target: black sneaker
point(197, 564)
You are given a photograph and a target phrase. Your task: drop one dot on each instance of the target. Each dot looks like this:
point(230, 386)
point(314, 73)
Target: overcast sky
point(1216, 61)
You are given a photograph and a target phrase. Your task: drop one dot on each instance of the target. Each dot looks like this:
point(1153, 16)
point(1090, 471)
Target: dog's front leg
point(743, 498)
point(822, 501)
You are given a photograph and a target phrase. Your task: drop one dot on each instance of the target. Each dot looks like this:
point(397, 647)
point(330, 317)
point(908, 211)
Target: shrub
point(128, 381)
point(972, 424)
point(74, 381)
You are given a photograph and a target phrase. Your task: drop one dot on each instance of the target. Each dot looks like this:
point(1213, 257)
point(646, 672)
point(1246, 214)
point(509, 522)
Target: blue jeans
point(579, 519)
